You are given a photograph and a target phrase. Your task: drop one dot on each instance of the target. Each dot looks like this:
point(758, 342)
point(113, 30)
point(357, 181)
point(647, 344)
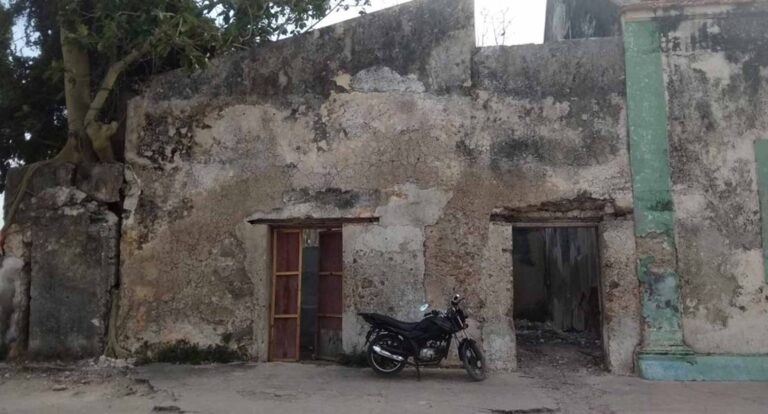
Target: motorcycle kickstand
point(418, 372)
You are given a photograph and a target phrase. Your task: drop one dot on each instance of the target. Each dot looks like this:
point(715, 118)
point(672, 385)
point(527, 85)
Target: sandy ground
point(550, 385)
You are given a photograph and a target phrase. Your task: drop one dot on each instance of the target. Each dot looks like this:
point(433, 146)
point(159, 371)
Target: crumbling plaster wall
point(60, 262)
point(620, 294)
point(287, 130)
point(393, 116)
point(716, 70)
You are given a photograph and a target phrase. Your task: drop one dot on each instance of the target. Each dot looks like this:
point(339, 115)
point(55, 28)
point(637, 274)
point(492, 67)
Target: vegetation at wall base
point(185, 352)
point(354, 359)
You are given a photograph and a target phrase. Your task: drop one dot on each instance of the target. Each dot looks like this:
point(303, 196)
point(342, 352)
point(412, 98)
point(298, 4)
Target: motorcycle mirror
point(424, 307)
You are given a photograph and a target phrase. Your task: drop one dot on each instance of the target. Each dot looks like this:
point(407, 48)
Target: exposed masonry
point(430, 151)
point(370, 119)
point(61, 263)
point(717, 85)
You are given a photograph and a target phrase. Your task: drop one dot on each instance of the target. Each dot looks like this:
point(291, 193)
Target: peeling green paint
point(703, 367)
point(642, 266)
point(664, 355)
point(647, 121)
point(653, 206)
point(661, 309)
point(761, 160)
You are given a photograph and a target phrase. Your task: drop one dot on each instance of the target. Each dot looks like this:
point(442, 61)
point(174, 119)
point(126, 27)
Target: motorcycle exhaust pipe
point(377, 349)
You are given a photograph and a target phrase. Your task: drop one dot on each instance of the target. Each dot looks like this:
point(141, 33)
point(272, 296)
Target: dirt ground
point(548, 382)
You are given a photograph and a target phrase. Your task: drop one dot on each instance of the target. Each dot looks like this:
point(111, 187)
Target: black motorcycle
point(393, 344)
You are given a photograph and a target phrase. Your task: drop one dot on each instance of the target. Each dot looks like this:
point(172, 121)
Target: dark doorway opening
point(307, 299)
point(557, 308)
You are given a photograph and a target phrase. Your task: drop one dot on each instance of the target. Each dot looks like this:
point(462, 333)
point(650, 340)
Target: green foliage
point(110, 29)
point(184, 352)
point(32, 117)
point(169, 33)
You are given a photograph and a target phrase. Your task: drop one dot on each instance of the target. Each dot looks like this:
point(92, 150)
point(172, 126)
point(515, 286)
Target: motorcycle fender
point(463, 345)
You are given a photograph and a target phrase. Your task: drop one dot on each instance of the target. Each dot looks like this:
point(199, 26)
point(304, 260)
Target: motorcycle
point(393, 344)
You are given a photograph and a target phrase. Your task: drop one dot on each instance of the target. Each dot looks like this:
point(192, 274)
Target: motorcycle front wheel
point(381, 364)
point(474, 361)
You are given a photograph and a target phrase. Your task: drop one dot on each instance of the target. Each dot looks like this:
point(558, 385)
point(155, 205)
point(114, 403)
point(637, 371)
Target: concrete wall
point(716, 72)
point(393, 116)
point(620, 294)
point(60, 262)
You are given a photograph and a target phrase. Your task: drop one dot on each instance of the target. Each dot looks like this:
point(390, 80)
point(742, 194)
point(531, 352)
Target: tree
point(64, 100)
point(32, 120)
point(495, 27)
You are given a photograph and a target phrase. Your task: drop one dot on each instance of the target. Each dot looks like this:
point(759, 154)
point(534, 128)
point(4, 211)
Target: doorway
point(307, 294)
point(557, 309)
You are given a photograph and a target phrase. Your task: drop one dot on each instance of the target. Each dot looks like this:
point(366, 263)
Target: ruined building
point(387, 161)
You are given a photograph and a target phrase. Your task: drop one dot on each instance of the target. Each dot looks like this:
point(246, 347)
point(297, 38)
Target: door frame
point(293, 227)
point(275, 275)
point(588, 223)
point(340, 273)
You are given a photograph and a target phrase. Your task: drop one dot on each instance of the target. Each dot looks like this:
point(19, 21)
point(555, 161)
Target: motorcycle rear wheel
point(474, 361)
point(381, 364)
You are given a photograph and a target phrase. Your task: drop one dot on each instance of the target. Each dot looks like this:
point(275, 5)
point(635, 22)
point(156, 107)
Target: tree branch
point(109, 80)
point(331, 10)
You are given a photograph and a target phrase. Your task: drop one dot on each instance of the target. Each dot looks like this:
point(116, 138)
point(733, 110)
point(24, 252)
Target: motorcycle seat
point(377, 318)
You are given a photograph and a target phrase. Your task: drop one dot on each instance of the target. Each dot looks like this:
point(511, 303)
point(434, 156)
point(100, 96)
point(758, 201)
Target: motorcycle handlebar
point(456, 299)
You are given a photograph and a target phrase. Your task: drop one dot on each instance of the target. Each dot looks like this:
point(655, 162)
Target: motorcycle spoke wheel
point(380, 363)
point(474, 361)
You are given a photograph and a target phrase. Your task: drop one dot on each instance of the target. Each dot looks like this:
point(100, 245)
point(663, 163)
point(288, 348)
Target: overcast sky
point(509, 22)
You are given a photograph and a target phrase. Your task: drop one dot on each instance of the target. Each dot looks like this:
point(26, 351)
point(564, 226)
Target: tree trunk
point(77, 93)
point(88, 139)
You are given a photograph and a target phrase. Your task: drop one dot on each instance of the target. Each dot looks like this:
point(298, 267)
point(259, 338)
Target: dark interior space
point(310, 264)
point(321, 298)
point(557, 296)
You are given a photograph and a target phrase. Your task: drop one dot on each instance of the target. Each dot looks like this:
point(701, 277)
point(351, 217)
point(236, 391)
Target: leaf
point(184, 33)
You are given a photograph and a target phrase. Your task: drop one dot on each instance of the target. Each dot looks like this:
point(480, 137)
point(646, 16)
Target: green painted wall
point(653, 207)
point(664, 356)
point(761, 160)
point(704, 367)
point(647, 120)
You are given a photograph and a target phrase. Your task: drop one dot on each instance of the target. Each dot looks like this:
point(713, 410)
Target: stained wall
point(716, 74)
point(394, 117)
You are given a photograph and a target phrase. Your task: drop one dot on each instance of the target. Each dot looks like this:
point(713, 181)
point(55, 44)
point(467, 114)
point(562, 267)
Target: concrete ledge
point(703, 367)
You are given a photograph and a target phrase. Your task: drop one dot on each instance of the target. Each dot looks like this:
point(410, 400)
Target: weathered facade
point(61, 263)
point(346, 123)
point(698, 82)
point(428, 152)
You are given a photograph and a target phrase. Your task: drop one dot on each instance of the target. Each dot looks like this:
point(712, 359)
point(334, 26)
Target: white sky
point(508, 22)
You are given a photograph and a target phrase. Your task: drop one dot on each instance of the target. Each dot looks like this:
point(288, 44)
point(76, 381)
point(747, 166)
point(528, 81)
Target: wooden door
point(572, 267)
point(286, 295)
point(557, 277)
point(330, 298)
